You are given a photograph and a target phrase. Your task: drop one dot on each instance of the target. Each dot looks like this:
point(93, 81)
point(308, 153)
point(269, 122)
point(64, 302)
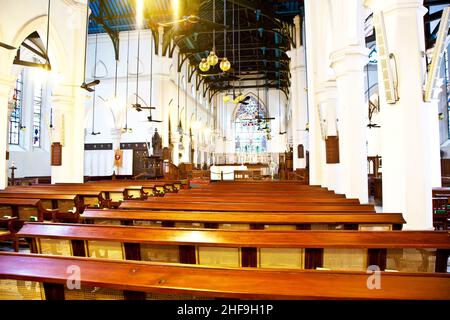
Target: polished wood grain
point(232, 238)
point(249, 207)
point(241, 283)
point(243, 217)
point(251, 199)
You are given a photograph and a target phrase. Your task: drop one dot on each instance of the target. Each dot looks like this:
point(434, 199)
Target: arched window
point(251, 130)
point(37, 109)
point(15, 120)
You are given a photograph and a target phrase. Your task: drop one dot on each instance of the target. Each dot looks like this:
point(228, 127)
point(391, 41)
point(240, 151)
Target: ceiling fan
point(139, 107)
point(89, 85)
point(374, 107)
point(193, 19)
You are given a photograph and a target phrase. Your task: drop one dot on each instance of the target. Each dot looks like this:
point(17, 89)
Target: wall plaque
point(300, 151)
point(56, 157)
point(332, 149)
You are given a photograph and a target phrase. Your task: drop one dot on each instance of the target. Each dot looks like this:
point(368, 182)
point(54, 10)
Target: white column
point(327, 101)
point(175, 151)
point(435, 145)
point(6, 85)
point(406, 128)
point(315, 138)
point(348, 64)
point(69, 131)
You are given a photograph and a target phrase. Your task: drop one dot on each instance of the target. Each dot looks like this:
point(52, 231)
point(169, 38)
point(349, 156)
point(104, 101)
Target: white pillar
point(6, 85)
point(327, 101)
point(348, 64)
point(406, 128)
point(315, 139)
point(69, 131)
point(435, 145)
point(175, 151)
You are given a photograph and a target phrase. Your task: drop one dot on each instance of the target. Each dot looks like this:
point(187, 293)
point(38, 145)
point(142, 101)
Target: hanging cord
point(137, 65)
point(48, 33)
point(151, 76)
point(225, 29)
point(85, 42)
point(214, 30)
point(234, 60)
point(239, 49)
point(115, 79)
point(178, 98)
point(186, 106)
point(95, 91)
point(126, 89)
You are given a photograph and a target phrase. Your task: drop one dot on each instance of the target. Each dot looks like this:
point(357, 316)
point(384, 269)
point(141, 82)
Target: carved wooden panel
point(332, 149)
point(139, 161)
point(56, 158)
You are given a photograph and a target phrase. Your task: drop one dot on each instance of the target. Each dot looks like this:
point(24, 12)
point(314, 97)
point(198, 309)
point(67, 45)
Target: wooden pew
point(8, 229)
point(25, 209)
point(286, 220)
point(88, 198)
point(113, 193)
point(135, 190)
point(162, 186)
point(62, 202)
point(134, 280)
point(253, 199)
point(339, 250)
point(246, 207)
point(441, 212)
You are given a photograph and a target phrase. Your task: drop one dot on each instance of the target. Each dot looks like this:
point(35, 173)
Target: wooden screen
point(56, 158)
point(332, 149)
point(300, 151)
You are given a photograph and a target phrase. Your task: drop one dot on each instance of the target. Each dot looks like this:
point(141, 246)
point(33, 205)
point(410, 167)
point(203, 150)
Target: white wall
point(30, 160)
point(165, 99)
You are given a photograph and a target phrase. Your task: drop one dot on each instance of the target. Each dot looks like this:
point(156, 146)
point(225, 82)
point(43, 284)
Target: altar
point(225, 172)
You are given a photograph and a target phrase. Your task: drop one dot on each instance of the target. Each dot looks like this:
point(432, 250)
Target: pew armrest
point(10, 224)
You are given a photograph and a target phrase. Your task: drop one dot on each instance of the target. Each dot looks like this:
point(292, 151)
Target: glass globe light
point(226, 98)
point(213, 59)
point(225, 65)
point(204, 65)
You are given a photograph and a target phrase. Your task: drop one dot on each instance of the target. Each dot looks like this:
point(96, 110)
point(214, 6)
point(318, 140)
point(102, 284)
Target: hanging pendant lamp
point(213, 59)
point(204, 65)
point(225, 65)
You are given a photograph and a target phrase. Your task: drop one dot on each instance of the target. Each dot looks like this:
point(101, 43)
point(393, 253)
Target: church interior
point(237, 149)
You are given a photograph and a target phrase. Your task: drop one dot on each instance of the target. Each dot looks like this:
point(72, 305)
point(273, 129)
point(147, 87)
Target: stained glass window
point(15, 119)
point(37, 108)
point(251, 130)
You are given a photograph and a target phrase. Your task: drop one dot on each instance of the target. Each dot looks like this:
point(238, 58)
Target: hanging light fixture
point(225, 65)
point(204, 65)
point(213, 59)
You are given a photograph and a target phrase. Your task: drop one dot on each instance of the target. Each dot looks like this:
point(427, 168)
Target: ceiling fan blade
point(87, 86)
point(171, 23)
point(83, 86)
point(7, 46)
